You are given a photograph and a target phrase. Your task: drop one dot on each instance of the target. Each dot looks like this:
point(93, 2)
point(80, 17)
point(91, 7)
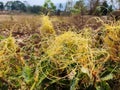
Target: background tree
point(36, 9)
point(28, 7)
point(8, 5)
point(60, 6)
point(15, 5)
point(104, 8)
point(115, 4)
point(80, 7)
point(93, 5)
point(69, 6)
point(18, 5)
point(118, 3)
point(49, 6)
point(1, 6)
point(58, 12)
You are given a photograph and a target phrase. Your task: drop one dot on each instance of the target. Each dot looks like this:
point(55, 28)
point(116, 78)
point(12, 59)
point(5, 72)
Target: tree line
point(95, 7)
point(20, 6)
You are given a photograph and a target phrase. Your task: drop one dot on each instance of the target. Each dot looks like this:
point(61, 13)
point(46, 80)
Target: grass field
point(59, 53)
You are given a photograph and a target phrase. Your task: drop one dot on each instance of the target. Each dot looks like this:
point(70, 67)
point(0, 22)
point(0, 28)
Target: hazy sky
point(37, 2)
point(40, 2)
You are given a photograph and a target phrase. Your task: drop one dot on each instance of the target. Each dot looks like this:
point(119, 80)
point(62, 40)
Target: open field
point(59, 53)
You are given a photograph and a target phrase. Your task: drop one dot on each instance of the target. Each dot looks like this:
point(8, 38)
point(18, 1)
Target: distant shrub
point(47, 27)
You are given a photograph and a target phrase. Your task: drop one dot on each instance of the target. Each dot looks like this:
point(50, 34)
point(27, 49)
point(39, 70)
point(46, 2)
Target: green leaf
point(1, 37)
point(74, 82)
point(27, 74)
point(45, 71)
point(91, 87)
point(85, 70)
point(108, 77)
point(103, 86)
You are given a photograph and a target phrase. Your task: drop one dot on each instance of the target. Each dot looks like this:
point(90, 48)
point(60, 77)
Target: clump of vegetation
point(11, 66)
point(71, 60)
point(72, 55)
point(47, 27)
point(112, 40)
